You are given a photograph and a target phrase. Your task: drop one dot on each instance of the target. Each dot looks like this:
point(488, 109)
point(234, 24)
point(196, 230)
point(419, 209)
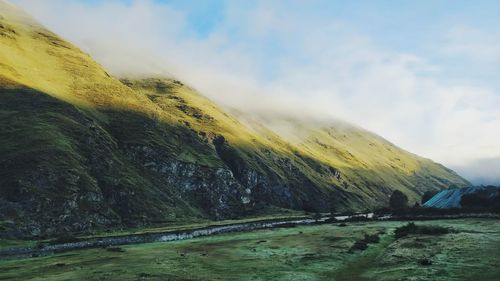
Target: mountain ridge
point(82, 150)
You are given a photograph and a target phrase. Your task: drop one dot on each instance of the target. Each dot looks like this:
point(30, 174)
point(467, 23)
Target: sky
point(423, 74)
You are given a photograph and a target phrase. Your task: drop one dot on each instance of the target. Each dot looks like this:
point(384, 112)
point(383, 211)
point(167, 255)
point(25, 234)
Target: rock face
point(81, 150)
point(213, 188)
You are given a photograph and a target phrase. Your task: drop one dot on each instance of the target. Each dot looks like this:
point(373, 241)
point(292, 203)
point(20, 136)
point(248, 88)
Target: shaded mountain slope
point(80, 149)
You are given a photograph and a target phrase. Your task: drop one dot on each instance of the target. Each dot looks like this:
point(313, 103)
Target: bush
point(480, 201)
point(398, 200)
point(317, 216)
point(363, 243)
point(412, 228)
point(359, 245)
point(473, 200)
point(373, 238)
point(115, 249)
point(425, 262)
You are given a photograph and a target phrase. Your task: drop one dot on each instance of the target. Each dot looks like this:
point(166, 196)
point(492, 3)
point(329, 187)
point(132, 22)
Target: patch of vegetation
point(486, 200)
point(317, 216)
point(425, 262)
point(359, 245)
point(115, 249)
point(412, 228)
point(398, 200)
point(362, 244)
point(372, 238)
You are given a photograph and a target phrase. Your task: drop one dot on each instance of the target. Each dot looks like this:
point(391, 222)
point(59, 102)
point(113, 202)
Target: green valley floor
point(320, 252)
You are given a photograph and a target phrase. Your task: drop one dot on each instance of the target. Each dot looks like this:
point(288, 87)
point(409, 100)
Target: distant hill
point(452, 198)
point(81, 149)
point(481, 171)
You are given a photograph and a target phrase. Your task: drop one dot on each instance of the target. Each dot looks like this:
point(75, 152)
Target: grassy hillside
point(81, 149)
point(331, 155)
point(362, 158)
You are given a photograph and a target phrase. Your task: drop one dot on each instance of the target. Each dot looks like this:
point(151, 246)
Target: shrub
point(412, 228)
point(398, 200)
point(359, 245)
point(481, 201)
point(373, 238)
point(473, 200)
point(317, 216)
point(362, 244)
point(425, 262)
point(115, 249)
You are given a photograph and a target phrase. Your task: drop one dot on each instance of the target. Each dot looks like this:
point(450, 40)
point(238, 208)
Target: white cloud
point(322, 66)
point(482, 171)
point(472, 43)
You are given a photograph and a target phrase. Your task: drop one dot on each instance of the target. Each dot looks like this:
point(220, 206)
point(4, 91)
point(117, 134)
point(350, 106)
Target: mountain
point(81, 149)
point(453, 197)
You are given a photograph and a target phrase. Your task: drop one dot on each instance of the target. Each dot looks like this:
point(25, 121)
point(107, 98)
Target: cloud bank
point(436, 100)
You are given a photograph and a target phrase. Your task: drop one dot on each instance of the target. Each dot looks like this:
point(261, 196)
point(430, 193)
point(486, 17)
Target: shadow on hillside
point(63, 166)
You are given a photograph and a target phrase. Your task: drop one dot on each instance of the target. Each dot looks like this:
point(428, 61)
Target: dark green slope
point(62, 169)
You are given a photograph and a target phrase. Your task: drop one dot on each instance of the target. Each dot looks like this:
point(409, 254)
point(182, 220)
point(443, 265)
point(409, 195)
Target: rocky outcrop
point(214, 189)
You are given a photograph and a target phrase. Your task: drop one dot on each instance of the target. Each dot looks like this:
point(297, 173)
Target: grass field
point(323, 252)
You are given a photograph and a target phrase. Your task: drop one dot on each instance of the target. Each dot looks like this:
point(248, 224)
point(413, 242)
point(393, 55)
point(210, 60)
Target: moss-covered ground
point(322, 252)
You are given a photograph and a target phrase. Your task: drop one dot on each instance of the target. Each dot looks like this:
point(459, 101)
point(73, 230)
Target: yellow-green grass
point(301, 253)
